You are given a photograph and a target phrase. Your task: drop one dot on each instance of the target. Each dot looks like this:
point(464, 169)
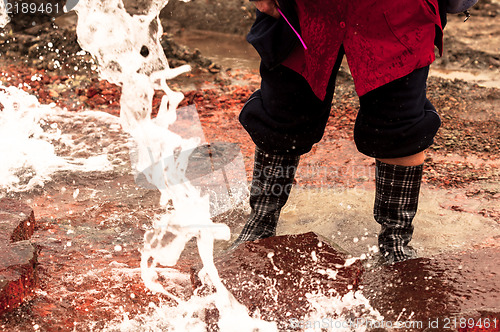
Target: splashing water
point(129, 54)
point(4, 18)
point(26, 136)
point(326, 316)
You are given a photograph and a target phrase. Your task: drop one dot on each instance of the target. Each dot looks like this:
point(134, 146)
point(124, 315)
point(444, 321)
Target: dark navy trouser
point(285, 117)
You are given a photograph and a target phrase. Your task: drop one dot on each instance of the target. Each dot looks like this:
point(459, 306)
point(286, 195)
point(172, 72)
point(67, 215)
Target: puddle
point(344, 216)
point(228, 50)
point(232, 51)
point(489, 79)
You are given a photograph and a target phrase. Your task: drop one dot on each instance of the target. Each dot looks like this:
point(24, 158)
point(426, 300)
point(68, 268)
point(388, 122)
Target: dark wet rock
point(18, 257)
point(208, 158)
point(277, 276)
point(18, 275)
point(17, 221)
point(446, 288)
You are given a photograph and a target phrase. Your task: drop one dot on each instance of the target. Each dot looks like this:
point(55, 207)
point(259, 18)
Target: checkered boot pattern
point(396, 201)
point(271, 184)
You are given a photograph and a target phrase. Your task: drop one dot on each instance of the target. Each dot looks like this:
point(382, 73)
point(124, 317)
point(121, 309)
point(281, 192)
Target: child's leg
point(395, 124)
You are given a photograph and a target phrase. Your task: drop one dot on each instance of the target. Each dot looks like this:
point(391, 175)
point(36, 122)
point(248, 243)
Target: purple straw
point(300, 38)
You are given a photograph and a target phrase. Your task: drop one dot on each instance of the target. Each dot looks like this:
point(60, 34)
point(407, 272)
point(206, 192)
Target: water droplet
point(144, 51)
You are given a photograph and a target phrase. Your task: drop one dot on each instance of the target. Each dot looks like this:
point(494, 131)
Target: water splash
point(27, 133)
point(350, 312)
point(4, 18)
point(128, 51)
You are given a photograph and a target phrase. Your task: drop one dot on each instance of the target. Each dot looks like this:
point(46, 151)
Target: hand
point(269, 7)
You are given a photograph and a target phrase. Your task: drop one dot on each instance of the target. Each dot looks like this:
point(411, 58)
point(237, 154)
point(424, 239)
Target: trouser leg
point(396, 201)
point(271, 184)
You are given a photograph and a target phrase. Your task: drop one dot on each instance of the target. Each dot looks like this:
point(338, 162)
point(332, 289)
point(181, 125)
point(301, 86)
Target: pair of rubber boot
point(396, 200)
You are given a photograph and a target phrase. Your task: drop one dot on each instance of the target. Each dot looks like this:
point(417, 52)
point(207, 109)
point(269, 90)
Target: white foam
point(28, 132)
point(350, 312)
point(4, 18)
point(128, 51)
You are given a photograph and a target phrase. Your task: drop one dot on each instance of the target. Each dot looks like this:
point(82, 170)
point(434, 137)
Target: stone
point(277, 277)
point(18, 276)
point(463, 285)
point(18, 257)
point(17, 221)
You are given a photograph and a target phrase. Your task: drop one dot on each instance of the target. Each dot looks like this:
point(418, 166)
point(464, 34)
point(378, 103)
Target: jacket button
point(342, 25)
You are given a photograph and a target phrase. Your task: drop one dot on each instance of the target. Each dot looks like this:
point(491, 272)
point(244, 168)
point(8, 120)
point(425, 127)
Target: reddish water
point(90, 228)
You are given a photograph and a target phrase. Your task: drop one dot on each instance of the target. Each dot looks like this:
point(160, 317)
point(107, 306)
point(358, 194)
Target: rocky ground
point(470, 112)
point(47, 61)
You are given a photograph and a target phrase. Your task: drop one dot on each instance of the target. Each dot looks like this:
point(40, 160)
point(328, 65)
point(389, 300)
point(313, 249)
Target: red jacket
point(383, 40)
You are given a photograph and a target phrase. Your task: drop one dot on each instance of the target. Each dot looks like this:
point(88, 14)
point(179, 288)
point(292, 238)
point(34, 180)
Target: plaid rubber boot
point(271, 184)
point(396, 201)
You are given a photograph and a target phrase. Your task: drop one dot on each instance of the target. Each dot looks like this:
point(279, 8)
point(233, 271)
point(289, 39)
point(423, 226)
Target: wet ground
point(90, 224)
point(90, 228)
